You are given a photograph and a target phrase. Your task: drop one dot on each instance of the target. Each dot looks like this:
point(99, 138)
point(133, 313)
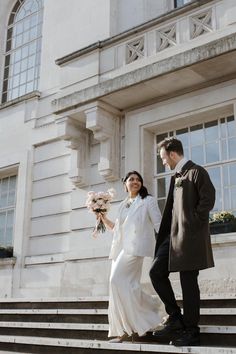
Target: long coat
point(136, 235)
point(186, 220)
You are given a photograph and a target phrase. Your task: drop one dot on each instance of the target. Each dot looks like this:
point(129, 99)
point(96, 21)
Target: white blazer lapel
point(133, 208)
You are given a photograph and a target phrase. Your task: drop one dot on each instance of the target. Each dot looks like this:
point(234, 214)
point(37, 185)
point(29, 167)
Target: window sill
point(28, 96)
point(223, 238)
point(11, 261)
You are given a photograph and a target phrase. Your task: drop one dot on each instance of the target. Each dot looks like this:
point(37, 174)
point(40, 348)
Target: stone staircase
point(80, 325)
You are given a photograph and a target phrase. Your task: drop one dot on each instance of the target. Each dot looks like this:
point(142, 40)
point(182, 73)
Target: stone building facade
point(88, 88)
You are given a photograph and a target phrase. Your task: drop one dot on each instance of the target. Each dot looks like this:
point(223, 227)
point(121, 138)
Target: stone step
point(55, 311)
point(99, 327)
point(62, 326)
point(215, 302)
point(219, 335)
point(55, 315)
point(73, 303)
point(92, 311)
point(96, 302)
point(57, 346)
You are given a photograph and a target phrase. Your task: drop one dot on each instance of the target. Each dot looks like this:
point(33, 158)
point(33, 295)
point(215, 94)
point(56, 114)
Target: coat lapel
point(133, 208)
point(186, 167)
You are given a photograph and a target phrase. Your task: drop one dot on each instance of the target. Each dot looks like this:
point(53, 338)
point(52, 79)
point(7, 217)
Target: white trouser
point(131, 310)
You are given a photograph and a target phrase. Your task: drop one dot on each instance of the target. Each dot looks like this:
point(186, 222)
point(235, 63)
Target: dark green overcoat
point(186, 220)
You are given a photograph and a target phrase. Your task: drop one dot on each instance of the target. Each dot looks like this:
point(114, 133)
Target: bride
point(131, 310)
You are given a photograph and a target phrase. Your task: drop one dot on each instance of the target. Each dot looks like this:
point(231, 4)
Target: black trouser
point(159, 275)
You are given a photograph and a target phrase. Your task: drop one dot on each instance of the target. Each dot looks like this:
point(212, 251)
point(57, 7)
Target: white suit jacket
point(136, 236)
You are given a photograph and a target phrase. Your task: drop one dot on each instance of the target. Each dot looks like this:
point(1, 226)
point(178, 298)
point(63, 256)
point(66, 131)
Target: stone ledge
point(28, 96)
point(4, 262)
point(179, 61)
point(223, 238)
point(86, 254)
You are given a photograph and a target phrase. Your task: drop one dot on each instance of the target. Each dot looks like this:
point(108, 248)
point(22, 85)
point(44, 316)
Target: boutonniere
point(178, 181)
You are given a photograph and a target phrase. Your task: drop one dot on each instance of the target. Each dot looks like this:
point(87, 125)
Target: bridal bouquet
point(99, 203)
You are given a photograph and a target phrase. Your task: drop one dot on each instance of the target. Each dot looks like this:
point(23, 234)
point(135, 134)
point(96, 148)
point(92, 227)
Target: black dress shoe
point(189, 337)
point(172, 327)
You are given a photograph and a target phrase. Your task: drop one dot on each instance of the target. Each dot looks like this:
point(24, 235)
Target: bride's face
point(133, 185)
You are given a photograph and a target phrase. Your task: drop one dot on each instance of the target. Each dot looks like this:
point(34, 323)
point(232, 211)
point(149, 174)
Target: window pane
point(227, 204)
point(212, 152)
point(2, 227)
point(197, 154)
point(9, 228)
point(233, 197)
point(161, 204)
point(232, 148)
point(214, 174)
point(232, 174)
point(218, 201)
point(19, 28)
point(29, 87)
point(211, 131)
point(183, 135)
point(161, 187)
point(23, 78)
point(231, 126)
point(16, 68)
point(22, 90)
point(4, 192)
point(196, 135)
point(18, 41)
point(224, 154)
point(225, 175)
point(12, 191)
point(26, 37)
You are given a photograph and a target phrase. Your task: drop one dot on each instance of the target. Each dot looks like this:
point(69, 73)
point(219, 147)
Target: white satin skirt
point(131, 310)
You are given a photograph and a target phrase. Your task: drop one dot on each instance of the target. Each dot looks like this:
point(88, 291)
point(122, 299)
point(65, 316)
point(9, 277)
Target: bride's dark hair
point(143, 192)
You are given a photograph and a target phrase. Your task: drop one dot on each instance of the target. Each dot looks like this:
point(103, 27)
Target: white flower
point(178, 182)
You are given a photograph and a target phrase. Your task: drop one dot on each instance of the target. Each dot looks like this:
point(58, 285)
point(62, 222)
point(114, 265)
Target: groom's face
point(168, 158)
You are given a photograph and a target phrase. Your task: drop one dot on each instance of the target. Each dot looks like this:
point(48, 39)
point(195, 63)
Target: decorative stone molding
point(166, 37)
point(77, 137)
point(135, 50)
point(201, 23)
point(105, 126)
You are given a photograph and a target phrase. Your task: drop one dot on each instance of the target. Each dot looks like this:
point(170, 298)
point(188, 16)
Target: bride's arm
point(108, 223)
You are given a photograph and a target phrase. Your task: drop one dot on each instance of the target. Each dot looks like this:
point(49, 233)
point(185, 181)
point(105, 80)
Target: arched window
point(23, 49)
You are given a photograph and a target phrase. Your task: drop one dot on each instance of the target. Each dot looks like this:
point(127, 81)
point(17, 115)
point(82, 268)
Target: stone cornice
point(179, 61)
point(137, 29)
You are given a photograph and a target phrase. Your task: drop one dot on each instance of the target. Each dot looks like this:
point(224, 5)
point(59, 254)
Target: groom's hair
point(171, 144)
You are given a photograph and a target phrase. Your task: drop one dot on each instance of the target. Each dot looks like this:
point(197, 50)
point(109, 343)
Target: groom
point(183, 243)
